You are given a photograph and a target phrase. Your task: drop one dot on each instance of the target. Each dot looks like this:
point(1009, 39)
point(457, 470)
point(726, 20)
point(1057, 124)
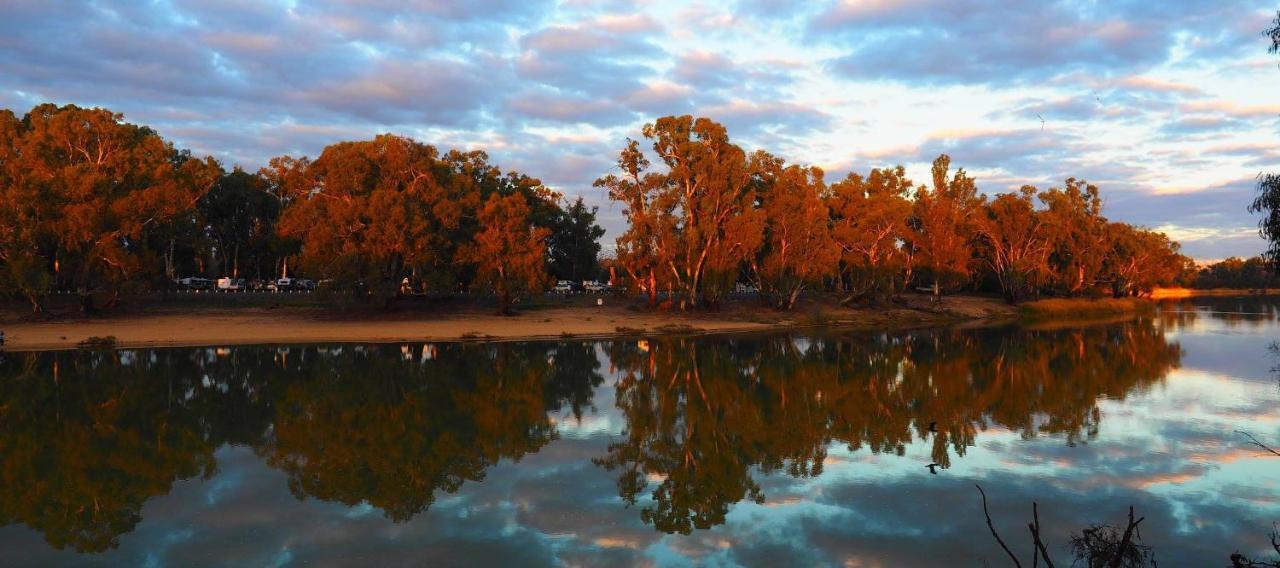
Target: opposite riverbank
point(184, 326)
point(1177, 293)
point(189, 325)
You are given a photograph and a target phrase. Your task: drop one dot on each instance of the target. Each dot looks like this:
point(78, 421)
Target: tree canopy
point(98, 206)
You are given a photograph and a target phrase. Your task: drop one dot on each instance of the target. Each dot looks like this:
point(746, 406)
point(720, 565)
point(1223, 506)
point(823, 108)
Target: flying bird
point(1039, 116)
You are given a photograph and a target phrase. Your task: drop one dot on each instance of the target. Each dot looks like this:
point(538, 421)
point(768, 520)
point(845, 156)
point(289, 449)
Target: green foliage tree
point(574, 243)
point(239, 216)
point(1267, 203)
point(1234, 272)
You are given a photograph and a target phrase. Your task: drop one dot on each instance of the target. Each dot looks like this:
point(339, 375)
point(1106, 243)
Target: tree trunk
point(504, 302)
point(169, 269)
point(795, 294)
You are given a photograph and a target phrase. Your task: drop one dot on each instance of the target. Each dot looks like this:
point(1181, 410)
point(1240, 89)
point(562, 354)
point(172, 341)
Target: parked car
point(284, 284)
point(563, 287)
point(195, 283)
point(593, 286)
point(304, 284)
point(228, 283)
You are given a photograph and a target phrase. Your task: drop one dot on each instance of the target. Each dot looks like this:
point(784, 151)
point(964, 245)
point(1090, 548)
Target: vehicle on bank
point(232, 284)
point(593, 286)
point(195, 283)
point(563, 287)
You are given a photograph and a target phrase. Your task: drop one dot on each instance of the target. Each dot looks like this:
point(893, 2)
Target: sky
point(1170, 107)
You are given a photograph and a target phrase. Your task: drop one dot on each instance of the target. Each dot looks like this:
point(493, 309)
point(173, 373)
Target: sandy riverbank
point(1175, 293)
point(241, 325)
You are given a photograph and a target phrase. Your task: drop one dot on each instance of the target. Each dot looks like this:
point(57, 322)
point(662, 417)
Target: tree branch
point(1257, 443)
point(993, 528)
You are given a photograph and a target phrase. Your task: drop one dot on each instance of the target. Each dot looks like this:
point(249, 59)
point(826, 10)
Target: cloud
point(588, 58)
point(1136, 94)
point(985, 41)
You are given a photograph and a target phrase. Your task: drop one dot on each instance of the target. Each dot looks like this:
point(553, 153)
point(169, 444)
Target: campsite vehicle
point(228, 283)
point(195, 283)
point(284, 284)
point(593, 286)
point(563, 287)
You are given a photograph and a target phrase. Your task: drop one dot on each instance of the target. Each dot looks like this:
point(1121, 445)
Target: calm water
point(783, 450)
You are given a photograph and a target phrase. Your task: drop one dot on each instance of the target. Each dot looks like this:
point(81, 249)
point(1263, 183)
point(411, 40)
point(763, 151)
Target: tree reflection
point(88, 438)
point(703, 416)
point(91, 436)
point(387, 430)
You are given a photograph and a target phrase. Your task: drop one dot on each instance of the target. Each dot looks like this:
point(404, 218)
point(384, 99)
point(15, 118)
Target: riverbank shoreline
point(1178, 293)
point(174, 327)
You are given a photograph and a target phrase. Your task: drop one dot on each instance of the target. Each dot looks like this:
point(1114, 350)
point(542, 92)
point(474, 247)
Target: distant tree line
point(95, 205)
point(706, 214)
point(92, 204)
point(1251, 274)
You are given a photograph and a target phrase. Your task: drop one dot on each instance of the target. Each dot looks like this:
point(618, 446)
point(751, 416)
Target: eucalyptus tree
point(82, 194)
point(797, 250)
point(869, 222)
point(943, 226)
point(694, 224)
point(1267, 202)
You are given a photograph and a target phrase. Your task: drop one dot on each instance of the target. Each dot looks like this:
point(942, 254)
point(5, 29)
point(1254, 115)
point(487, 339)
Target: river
point(834, 448)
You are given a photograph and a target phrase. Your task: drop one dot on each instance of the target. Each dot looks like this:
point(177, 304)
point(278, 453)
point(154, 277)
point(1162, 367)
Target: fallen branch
point(1126, 542)
point(1257, 443)
point(1034, 526)
point(993, 528)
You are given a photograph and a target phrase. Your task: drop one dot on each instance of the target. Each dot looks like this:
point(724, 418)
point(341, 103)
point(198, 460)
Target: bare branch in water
point(1258, 443)
point(1035, 534)
point(993, 528)
point(1240, 561)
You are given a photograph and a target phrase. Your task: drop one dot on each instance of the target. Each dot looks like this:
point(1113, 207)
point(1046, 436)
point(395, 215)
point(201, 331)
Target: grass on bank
point(1084, 307)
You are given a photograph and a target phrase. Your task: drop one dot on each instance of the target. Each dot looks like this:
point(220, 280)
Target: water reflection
point(702, 415)
point(688, 430)
point(90, 436)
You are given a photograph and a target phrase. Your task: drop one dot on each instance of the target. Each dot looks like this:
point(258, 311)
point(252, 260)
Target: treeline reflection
point(91, 436)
